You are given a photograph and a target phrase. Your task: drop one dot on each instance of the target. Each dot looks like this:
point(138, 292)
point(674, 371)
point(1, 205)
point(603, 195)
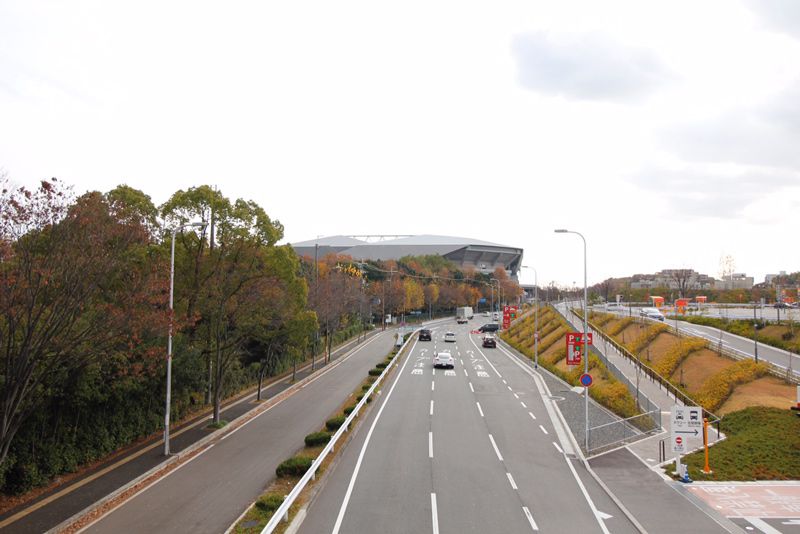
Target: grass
point(762, 444)
point(783, 336)
point(218, 425)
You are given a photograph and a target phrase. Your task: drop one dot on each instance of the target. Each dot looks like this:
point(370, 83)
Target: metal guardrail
point(282, 513)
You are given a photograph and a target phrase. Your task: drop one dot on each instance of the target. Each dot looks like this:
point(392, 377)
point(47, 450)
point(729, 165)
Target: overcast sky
point(668, 133)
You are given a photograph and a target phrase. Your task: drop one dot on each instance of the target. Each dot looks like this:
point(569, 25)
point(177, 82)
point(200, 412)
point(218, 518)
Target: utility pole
point(316, 303)
point(755, 335)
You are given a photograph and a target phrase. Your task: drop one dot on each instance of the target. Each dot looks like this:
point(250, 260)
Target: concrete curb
point(95, 511)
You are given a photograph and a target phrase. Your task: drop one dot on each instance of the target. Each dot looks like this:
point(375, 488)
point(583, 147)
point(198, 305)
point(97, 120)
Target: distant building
point(466, 253)
point(673, 279)
point(735, 281)
point(770, 277)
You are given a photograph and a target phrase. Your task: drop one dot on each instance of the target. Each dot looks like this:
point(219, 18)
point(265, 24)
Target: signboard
point(686, 422)
point(681, 305)
point(509, 314)
point(586, 380)
point(575, 347)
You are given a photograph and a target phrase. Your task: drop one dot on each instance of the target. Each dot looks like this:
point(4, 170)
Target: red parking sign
point(575, 347)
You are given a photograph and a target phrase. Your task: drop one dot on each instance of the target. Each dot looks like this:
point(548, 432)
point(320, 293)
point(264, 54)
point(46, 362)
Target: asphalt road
point(209, 492)
point(474, 449)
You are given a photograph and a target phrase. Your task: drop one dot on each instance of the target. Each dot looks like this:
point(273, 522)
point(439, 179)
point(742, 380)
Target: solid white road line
point(472, 389)
point(352, 483)
point(586, 496)
point(523, 404)
point(558, 448)
point(543, 429)
point(431, 407)
point(434, 514)
point(496, 450)
point(516, 396)
point(433, 385)
point(479, 408)
point(487, 359)
point(465, 372)
point(430, 444)
point(762, 525)
point(530, 518)
point(532, 416)
point(511, 480)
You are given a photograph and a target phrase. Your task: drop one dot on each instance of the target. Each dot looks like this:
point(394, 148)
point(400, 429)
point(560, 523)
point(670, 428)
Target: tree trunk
point(261, 373)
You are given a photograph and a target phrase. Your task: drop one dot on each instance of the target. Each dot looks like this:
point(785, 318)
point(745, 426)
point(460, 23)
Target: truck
point(463, 314)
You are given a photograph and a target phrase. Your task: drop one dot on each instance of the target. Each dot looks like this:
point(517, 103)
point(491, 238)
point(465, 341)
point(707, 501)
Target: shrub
point(365, 387)
point(381, 365)
point(269, 503)
point(718, 388)
point(349, 410)
point(317, 438)
point(644, 338)
point(676, 354)
point(375, 372)
point(620, 326)
point(295, 466)
point(334, 422)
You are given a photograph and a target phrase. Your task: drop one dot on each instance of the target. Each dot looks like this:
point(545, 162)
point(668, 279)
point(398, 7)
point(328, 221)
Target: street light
point(169, 339)
point(585, 351)
point(535, 316)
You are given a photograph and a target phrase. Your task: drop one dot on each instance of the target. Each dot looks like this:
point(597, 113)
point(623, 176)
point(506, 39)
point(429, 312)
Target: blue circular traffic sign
point(586, 380)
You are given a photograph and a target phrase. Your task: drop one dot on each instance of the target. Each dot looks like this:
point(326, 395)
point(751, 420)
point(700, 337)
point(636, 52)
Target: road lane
point(208, 493)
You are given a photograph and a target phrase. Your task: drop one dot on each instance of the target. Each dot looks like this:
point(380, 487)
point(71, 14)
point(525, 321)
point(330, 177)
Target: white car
point(652, 313)
point(450, 337)
point(487, 314)
point(496, 316)
point(444, 359)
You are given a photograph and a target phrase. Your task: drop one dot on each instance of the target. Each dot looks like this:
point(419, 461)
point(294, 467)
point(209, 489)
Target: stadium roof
point(465, 252)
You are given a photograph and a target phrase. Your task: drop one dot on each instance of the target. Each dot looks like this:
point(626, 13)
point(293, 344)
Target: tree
point(682, 279)
point(75, 283)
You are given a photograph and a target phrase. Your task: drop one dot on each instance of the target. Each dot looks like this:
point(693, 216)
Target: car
point(489, 327)
point(487, 314)
point(424, 335)
point(652, 313)
point(444, 359)
point(489, 341)
point(449, 337)
point(496, 316)
point(461, 320)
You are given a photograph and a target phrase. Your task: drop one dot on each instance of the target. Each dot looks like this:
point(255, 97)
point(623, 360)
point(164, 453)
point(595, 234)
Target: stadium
point(465, 253)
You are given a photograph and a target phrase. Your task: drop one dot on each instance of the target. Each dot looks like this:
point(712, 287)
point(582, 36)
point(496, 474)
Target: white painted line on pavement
point(523, 404)
point(511, 480)
point(433, 385)
point(472, 389)
point(506, 383)
point(509, 388)
point(532, 416)
point(487, 359)
point(431, 407)
point(479, 408)
point(465, 372)
point(430, 444)
point(352, 483)
point(543, 429)
point(496, 450)
point(434, 514)
point(587, 497)
point(516, 396)
point(762, 525)
point(558, 448)
point(530, 518)
point(434, 374)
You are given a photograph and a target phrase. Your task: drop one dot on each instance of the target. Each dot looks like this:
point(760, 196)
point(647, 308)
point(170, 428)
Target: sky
point(667, 133)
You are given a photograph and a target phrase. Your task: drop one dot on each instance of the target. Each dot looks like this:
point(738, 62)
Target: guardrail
point(282, 513)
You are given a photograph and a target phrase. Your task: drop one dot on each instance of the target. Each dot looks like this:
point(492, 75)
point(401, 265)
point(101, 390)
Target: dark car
point(489, 341)
point(489, 327)
point(424, 335)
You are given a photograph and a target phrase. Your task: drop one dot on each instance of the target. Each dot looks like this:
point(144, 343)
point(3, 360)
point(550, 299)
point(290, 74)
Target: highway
point(475, 449)
point(210, 491)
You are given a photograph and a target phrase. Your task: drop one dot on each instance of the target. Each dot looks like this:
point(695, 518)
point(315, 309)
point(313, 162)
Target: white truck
point(463, 314)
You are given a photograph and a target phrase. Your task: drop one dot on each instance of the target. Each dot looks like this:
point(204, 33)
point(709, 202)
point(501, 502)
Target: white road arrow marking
point(449, 372)
point(416, 371)
point(603, 515)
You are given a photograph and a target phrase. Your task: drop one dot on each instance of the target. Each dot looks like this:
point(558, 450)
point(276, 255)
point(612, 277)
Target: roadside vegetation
point(289, 472)
point(606, 389)
point(762, 444)
point(785, 335)
point(84, 315)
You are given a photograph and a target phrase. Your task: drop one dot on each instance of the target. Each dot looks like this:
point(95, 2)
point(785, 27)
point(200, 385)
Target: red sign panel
point(575, 347)
point(509, 314)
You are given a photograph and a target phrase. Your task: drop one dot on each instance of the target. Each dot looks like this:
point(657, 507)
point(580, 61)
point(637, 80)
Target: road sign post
point(509, 314)
point(686, 421)
point(575, 347)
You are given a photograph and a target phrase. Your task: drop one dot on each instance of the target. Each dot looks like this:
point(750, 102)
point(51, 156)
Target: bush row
point(645, 337)
point(676, 354)
point(719, 387)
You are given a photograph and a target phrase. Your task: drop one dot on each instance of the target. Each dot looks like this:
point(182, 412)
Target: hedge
point(375, 372)
point(335, 422)
point(676, 354)
point(317, 438)
point(645, 337)
point(295, 466)
point(719, 387)
point(269, 502)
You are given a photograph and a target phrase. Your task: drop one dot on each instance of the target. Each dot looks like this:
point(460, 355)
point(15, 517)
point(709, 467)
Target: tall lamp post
point(169, 339)
point(585, 351)
point(535, 316)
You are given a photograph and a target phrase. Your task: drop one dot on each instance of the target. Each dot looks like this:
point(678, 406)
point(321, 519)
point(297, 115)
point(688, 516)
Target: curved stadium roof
point(464, 252)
